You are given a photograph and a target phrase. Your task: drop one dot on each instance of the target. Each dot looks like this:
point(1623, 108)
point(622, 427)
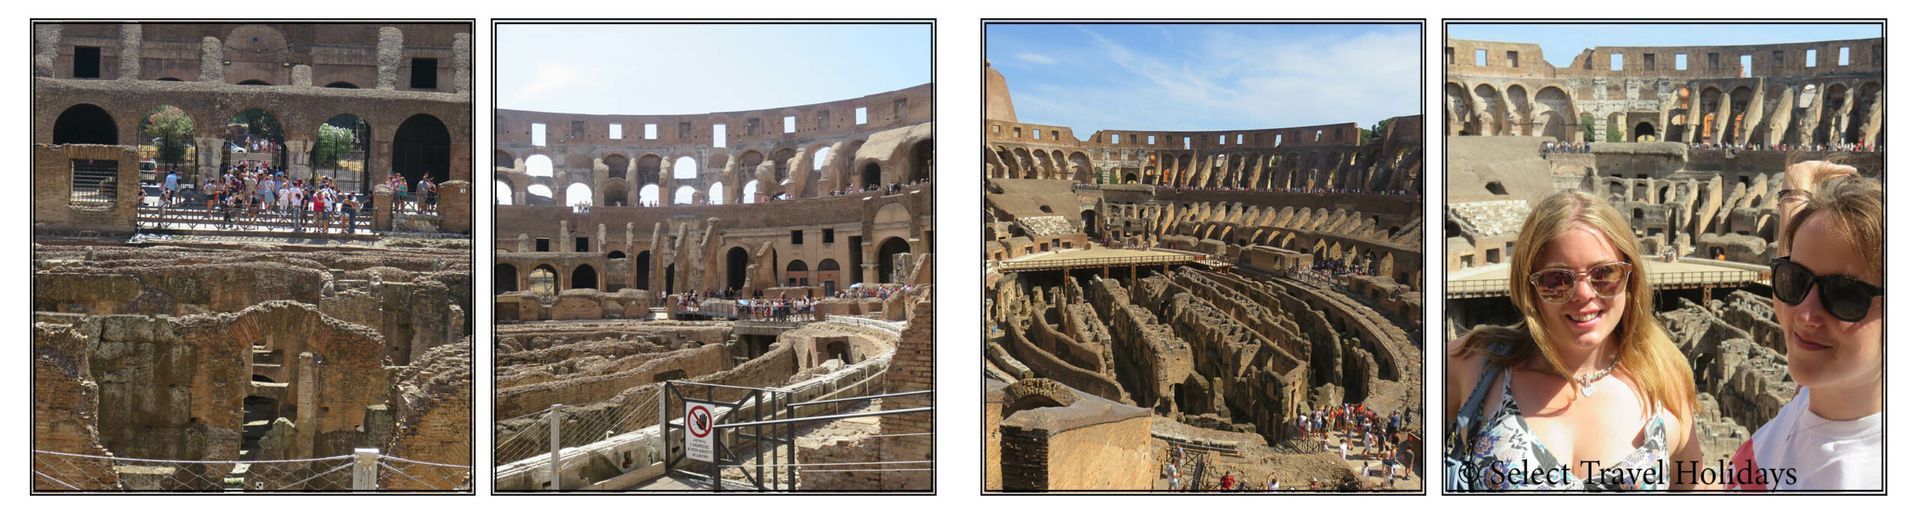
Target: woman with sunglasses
point(1828, 297)
point(1588, 393)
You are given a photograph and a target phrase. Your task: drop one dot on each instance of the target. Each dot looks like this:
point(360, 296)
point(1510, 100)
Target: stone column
point(1693, 117)
point(382, 207)
point(208, 150)
point(46, 39)
point(387, 55)
point(213, 67)
point(463, 64)
point(299, 152)
point(523, 244)
point(129, 51)
point(303, 75)
point(307, 428)
point(1870, 127)
point(600, 239)
point(1720, 115)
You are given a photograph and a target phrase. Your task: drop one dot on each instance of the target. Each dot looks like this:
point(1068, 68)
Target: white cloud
point(1035, 58)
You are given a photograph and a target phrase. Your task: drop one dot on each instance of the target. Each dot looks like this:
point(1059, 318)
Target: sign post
point(699, 421)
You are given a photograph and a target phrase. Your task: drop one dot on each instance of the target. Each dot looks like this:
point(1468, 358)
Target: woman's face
point(1823, 350)
point(1587, 319)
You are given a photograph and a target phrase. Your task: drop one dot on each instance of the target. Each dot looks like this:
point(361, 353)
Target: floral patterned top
point(1506, 455)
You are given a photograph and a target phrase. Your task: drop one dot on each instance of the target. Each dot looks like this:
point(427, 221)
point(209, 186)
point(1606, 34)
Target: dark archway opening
point(889, 248)
point(584, 277)
point(343, 85)
point(506, 278)
point(422, 148)
point(670, 279)
point(1087, 224)
point(870, 175)
point(921, 169)
point(1643, 132)
point(643, 269)
point(736, 268)
point(85, 124)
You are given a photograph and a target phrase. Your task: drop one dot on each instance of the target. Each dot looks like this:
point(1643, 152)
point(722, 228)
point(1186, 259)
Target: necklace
point(1586, 381)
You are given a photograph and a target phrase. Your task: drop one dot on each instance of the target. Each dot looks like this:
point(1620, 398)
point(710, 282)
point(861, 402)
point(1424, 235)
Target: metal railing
point(1094, 262)
point(365, 470)
point(1482, 288)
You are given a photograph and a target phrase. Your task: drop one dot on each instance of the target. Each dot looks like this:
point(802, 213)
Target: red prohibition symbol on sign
point(699, 421)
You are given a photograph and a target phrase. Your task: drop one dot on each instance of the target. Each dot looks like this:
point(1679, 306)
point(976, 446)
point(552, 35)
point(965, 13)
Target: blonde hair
point(1646, 353)
point(1859, 210)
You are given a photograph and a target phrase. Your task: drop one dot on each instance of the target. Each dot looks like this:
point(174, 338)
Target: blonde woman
point(1588, 393)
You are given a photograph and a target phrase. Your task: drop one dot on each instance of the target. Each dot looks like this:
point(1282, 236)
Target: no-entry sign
point(699, 420)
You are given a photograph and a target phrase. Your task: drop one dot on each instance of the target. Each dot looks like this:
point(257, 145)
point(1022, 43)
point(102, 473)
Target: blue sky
point(1207, 77)
point(1562, 42)
point(694, 68)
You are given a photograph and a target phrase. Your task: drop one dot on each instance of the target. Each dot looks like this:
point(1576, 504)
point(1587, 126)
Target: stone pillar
point(600, 239)
point(307, 428)
point(456, 207)
point(129, 51)
point(208, 149)
point(213, 67)
point(46, 39)
point(382, 208)
point(1870, 127)
point(1720, 115)
point(1693, 117)
point(303, 75)
point(463, 64)
point(523, 244)
point(387, 55)
point(299, 152)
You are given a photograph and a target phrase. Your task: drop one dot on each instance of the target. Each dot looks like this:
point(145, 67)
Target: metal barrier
point(365, 470)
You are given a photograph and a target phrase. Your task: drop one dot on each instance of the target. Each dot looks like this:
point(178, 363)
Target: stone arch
point(540, 194)
point(750, 192)
point(716, 194)
point(247, 124)
point(423, 147)
point(1644, 131)
point(870, 174)
point(502, 159)
point(650, 196)
point(1522, 112)
point(647, 169)
point(1459, 113)
point(539, 165)
point(685, 168)
point(683, 195)
point(1490, 113)
point(643, 269)
point(616, 166)
point(584, 277)
point(579, 195)
point(890, 247)
point(502, 193)
point(827, 273)
point(797, 273)
point(920, 164)
point(543, 280)
point(1557, 114)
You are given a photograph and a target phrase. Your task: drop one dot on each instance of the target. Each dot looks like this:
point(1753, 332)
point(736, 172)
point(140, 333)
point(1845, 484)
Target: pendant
point(1586, 390)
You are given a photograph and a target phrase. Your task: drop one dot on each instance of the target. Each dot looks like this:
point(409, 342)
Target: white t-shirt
point(1825, 455)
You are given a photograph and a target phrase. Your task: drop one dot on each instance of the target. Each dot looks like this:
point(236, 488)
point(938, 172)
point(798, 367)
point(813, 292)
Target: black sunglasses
point(1846, 298)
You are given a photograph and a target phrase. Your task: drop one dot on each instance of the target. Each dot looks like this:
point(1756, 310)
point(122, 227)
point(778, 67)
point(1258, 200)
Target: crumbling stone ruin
point(1739, 359)
point(215, 355)
point(1153, 289)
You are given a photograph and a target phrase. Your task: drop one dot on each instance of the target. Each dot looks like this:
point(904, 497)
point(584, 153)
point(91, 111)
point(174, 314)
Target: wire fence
point(59, 471)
